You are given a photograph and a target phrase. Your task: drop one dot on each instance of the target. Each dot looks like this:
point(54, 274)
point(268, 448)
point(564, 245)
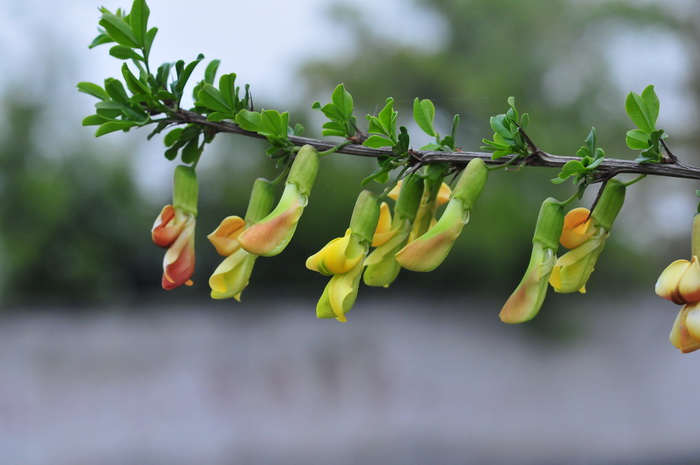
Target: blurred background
point(100, 365)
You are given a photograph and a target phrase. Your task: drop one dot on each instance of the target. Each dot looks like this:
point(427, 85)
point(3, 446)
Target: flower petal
point(689, 284)
point(577, 228)
point(680, 337)
point(178, 263)
point(166, 228)
point(225, 237)
point(270, 236)
point(232, 276)
point(667, 284)
point(383, 232)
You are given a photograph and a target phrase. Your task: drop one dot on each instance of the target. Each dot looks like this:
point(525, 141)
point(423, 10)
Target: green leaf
point(100, 40)
point(376, 141)
point(424, 115)
point(500, 127)
point(172, 137)
point(227, 87)
point(572, 167)
point(275, 123)
point(211, 98)
point(652, 100)
point(113, 126)
point(122, 52)
point(118, 30)
point(138, 17)
point(93, 89)
point(637, 139)
point(591, 142)
point(184, 74)
point(134, 85)
point(342, 101)
point(150, 37)
point(210, 71)
point(94, 120)
point(639, 112)
point(116, 91)
point(249, 120)
point(191, 151)
point(433, 146)
point(387, 118)
point(524, 121)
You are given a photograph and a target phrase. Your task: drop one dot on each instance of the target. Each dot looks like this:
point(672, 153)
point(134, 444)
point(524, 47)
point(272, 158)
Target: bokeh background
point(99, 365)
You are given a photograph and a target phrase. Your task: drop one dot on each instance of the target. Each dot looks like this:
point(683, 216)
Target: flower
point(174, 229)
point(428, 251)
point(233, 274)
point(585, 234)
point(381, 265)
point(431, 200)
point(270, 235)
point(680, 283)
point(527, 299)
point(343, 258)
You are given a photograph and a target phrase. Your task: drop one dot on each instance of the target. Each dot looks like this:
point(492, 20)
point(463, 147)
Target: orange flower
point(174, 230)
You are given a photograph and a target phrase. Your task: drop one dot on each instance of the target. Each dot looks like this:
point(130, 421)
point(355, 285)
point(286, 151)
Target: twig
point(608, 168)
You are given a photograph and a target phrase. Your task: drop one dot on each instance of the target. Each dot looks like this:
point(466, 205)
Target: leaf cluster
point(583, 171)
point(339, 112)
point(273, 126)
point(643, 110)
point(508, 137)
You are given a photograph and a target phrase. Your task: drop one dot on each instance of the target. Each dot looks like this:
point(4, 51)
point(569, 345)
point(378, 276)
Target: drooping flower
point(343, 258)
point(428, 251)
point(233, 274)
point(680, 283)
point(174, 229)
point(381, 265)
point(270, 235)
point(585, 234)
point(434, 195)
point(527, 299)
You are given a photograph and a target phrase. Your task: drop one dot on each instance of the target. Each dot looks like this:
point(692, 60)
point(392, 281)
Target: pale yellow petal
point(689, 284)
point(667, 284)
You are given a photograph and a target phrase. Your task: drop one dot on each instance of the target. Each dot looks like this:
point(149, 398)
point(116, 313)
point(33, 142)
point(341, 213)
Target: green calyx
point(471, 183)
point(550, 223)
point(262, 199)
point(609, 204)
point(304, 169)
point(185, 189)
point(696, 236)
point(409, 198)
point(365, 216)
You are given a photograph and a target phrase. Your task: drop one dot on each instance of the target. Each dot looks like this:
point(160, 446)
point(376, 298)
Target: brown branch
point(607, 169)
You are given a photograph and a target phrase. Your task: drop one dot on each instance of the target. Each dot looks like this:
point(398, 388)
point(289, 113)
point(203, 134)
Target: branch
point(608, 168)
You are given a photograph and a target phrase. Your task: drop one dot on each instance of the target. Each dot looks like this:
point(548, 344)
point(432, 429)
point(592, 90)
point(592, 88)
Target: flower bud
point(527, 299)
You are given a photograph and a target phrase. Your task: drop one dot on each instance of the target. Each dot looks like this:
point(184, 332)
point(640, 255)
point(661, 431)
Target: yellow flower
point(336, 257)
point(680, 283)
point(343, 258)
point(270, 235)
point(685, 334)
point(428, 251)
point(585, 234)
point(381, 265)
point(233, 274)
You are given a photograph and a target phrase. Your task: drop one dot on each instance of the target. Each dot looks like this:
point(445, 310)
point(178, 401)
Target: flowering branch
point(607, 169)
